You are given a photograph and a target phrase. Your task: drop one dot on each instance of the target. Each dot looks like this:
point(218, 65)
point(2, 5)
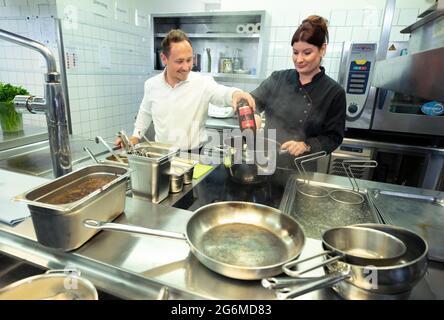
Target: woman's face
point(307, 57)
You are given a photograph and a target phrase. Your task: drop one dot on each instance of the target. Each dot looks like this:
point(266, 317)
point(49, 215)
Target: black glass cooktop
point(218, 186)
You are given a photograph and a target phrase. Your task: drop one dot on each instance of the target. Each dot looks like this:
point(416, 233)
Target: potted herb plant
point(10, 120)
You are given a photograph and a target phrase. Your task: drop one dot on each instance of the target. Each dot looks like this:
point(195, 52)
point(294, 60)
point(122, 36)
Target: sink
point(35, 159)
point(14, 269)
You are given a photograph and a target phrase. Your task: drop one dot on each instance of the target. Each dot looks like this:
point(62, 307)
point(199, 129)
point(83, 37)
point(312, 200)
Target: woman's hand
point(238, 95)
point(296, 148)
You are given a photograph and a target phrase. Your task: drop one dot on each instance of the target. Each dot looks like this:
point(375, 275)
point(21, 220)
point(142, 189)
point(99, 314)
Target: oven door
point(402, 113)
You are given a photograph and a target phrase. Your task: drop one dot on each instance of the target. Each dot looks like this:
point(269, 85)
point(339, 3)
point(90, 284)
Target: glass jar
point(10, 120)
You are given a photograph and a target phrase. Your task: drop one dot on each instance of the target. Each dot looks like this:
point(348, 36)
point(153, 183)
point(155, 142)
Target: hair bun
point(318, 22)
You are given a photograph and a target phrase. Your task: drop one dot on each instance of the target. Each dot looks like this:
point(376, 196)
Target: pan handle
point(285, 282)
point(323, 282)
point(101, 225)
point(297, 274)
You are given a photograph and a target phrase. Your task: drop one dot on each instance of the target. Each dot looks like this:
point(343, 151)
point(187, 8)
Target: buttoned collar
point(177, 84)
point(295, 77)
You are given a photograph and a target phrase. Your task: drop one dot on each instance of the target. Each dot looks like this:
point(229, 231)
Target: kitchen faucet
point(52, 105)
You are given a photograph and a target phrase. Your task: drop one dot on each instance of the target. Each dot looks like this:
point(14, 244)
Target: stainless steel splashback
point(420, 73)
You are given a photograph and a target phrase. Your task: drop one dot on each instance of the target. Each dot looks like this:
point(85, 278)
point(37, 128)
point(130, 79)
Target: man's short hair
point(174, 36)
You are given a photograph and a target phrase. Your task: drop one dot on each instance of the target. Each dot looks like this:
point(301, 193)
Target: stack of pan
point(358, 267)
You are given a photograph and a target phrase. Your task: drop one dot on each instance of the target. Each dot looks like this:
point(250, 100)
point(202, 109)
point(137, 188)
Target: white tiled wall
point(106, 60)
point(107, 64)
point(359, 20)
point(21, 66)
point(107, 55)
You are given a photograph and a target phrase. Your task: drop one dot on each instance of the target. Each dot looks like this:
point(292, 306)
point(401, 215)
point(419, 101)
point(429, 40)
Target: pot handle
point(323, 282)
point(297, 274)
point(101, 225)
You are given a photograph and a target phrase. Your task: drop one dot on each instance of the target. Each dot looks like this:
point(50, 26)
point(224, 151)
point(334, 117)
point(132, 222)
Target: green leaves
point(8, 92)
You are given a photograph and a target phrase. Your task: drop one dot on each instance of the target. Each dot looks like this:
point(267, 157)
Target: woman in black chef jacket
point(305, 106)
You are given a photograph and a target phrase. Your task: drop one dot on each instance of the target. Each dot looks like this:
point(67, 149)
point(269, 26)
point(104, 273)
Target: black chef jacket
point(314, 112)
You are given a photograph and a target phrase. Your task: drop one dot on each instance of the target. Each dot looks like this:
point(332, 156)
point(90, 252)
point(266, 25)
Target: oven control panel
point(360, 63)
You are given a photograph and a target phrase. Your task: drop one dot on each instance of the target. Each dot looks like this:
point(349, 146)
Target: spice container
point(246, 116)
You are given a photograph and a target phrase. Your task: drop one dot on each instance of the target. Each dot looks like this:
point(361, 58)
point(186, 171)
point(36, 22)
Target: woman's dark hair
point(313, 30)
point(175, 35)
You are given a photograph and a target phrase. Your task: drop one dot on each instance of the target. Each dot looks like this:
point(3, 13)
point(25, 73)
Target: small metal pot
point(176, 176)
point(187, 166)
point(52, 285)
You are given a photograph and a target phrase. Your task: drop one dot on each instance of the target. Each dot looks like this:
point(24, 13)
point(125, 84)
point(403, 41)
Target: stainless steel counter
point(136, 266)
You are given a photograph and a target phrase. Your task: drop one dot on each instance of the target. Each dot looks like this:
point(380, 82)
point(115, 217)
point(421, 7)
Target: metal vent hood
point(420, 73)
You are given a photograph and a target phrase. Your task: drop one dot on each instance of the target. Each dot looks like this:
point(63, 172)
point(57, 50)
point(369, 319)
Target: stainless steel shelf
point(217, 35)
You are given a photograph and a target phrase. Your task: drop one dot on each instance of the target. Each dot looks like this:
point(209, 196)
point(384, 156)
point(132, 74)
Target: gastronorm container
point(151, 164)
point(61, 225)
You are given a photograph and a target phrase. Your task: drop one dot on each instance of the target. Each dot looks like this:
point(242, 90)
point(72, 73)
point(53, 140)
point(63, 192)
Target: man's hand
point(118, 142)
point(238, 95)
point(296, 148)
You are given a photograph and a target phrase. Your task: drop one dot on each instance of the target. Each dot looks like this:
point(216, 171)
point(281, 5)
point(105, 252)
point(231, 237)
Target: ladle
point(100, 139)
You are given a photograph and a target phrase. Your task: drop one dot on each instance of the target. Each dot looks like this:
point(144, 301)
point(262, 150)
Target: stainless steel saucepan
point(240, 240)
point(394, 279)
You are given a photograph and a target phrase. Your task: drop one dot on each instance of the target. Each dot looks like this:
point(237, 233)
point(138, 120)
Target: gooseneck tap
point(52, 105)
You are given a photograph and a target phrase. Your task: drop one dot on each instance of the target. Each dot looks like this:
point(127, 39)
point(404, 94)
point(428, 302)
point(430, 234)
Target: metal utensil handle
point(324, 282)
point(126, 141)
point(86, 149)
point(100, 139)
point(64, 271)
point(410, 196)
point(284, 282)
point(164, 293)
point(101, 225)
point(307, 158)
point(356, 163)
point(287, 268)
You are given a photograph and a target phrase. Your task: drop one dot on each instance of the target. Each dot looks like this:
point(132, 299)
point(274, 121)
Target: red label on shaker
point(247, 124)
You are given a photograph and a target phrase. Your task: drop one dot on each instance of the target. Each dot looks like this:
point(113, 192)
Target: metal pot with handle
point(240, 240)
point(392, 280)
point(250, 163)
point(52, 285)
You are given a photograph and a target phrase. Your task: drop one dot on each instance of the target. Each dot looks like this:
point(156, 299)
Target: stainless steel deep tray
point(61, 225)
point(317, 214)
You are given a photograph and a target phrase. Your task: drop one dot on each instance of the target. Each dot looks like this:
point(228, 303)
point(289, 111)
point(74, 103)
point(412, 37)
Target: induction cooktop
point(218, 187)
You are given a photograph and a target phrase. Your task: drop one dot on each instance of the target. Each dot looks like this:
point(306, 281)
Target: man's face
point(179, 62)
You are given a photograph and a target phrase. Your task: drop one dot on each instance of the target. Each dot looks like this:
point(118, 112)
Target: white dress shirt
point(179, 113)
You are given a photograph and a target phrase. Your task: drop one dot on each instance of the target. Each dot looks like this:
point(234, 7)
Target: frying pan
point(240, 240)
point(364, 281)
point(363, 246)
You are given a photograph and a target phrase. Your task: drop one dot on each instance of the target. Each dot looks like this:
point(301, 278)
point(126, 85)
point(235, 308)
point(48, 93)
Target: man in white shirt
point(177, 99)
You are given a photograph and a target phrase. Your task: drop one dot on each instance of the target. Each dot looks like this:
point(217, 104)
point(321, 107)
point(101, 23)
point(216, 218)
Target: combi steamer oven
point(397, 116)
